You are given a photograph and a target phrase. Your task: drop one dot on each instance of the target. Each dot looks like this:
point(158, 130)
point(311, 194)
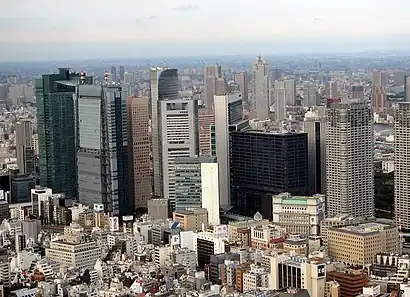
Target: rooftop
point(366, 228)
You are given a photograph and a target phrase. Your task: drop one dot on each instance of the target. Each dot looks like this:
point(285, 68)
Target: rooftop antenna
point(82, 77)
point(106, 75)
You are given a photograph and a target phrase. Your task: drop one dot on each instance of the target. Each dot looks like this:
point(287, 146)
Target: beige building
point(24, 143)
point(74, 250)
point(192, 220)
point(332, 289)
point(158, 208)
point(206, 118)
point(360, 244)
point(241, 78)
point(139, 150)
point(240, 231)
point(338, 221)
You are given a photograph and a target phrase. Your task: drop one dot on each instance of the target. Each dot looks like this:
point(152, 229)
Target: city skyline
point(182, 27)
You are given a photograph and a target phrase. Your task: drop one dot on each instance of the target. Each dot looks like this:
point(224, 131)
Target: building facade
point(24, 147)
point(260, 92)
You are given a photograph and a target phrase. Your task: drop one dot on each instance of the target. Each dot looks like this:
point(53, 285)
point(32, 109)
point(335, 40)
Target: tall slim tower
point(139, 150)
point(407, 88)
point(402, 165)
point(309, 94)
point(57, 130)
point(164, 86)
point(211, 74)
point(380, 83)
point(228, 111)
point(113, 74)
point(122, 72)
point(290, 89)
point(315, 126)
point(349, 158)
point(24, 147)
point(103, 148)
point(179, 131)
point(241, 78)
point(279, 95)
point(260, 78)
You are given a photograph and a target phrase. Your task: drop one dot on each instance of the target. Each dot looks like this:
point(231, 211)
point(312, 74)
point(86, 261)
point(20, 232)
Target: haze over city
point(43, 29)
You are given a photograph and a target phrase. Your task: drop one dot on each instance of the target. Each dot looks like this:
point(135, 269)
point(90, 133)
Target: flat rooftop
point(365, 228)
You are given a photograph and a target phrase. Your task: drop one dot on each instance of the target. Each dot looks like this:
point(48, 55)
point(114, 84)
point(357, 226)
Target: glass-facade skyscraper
point(56, 128)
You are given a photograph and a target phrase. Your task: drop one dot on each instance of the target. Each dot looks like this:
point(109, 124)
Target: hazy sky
point(35, 28)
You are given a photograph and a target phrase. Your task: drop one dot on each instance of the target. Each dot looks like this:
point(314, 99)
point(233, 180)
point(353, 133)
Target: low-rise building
point(192, 220)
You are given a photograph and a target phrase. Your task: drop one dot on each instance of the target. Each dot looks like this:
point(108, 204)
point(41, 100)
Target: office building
point(369, 239)
point(139, 151)
point(290, 92)
point(221, 86)
point(74, 250)
point(197, 185)
point(206, 119)
point(357, 92)
point(407, 88)
point(228, 111)
point(349, 158)
point(211, 74)
point(299, 214)
point(113, 74)
point(207, 244)
point(158, 208)
point(338, 221)
point(260, 92)
point(241, 78)
point(103, 148)
point(191, 219)
point(164, 85)
point(266, 163)
point(380, 84)
point(402, 165)
point(309, 94)
point(20, 186)
point(122, 72)
point(279, 99)
point(56, 128)
point(315, 127)
point(24, 147)
point(179, 132)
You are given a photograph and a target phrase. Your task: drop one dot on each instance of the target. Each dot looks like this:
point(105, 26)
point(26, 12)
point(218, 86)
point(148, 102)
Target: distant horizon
point(55, 52)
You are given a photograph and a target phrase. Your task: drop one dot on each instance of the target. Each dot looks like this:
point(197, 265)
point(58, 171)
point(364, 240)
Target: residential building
point(349, 158)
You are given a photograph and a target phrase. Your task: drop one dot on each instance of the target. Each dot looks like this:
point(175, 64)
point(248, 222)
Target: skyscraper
point(206, 119)
point(24, 147)
point(113, 74)
point(228, 111)
point(211, 74)
point(242, 80)
point(103, 148)
point(402, 165)
point(260, 94)
point(358, 92)
point(164, 86)
point(309, 94)
point(290, 92)
point(56, 127)
point(122, 72)
point(279, 94)
point(407, 88)
point(315, 127)
point(380, 83)
point(197, 185)
point(179, 132)
point(349, 158)
point(139, 150)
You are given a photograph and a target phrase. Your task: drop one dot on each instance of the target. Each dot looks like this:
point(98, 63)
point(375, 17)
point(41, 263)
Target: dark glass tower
point(56, 127)
point(265, 164)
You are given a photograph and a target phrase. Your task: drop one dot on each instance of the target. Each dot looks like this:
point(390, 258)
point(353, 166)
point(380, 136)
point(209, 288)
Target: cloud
point(187, 7)
point(317, 19)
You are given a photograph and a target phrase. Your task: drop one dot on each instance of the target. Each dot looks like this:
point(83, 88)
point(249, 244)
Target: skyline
point(161, 28)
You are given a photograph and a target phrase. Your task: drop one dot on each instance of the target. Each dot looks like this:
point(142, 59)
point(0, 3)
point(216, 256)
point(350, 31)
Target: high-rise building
point(315, 127)
point(179, 133)
point(242, 80)
point(407, 88)
point(197, 185)
point(279, 95)
point(24, 147)
point(122, 72)
point(309, 95)
point(164, 86)
point(113, 74)
point(265, 163)
point(380, 83)
point(139, 150)
point(56, 128)
point(228, 111)
point(290, 92)
point(221, 86)
point(102, 156)
point(402, 165)
point(211, 74)
point(357, 92)
point(349, 158)
point(206, 119)
point(260, 94)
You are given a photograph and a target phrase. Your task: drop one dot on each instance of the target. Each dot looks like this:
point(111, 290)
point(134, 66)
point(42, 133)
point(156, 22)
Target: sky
point(58, 29)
